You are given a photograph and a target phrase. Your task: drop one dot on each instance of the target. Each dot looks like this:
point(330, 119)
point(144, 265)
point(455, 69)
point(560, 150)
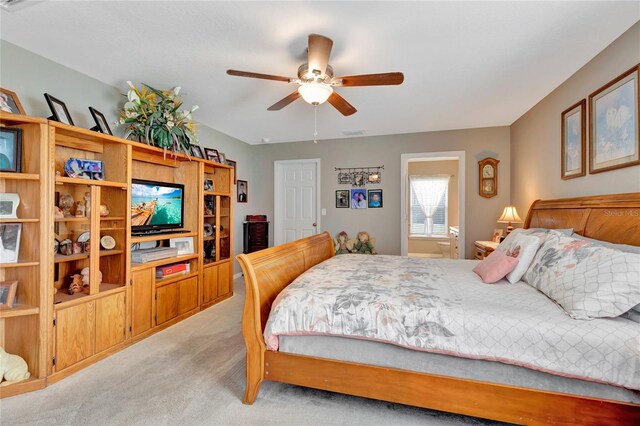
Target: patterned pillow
point(586, 279)
point(523, 247)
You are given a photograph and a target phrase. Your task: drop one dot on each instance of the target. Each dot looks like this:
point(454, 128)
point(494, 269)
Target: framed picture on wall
point(243, 191)
point(614, 123)
point(358, 198)
point(573, 158)
point(342, 199)
point(375, 198)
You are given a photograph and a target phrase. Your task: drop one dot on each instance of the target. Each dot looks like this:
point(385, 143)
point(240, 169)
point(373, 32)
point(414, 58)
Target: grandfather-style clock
point(488, 171)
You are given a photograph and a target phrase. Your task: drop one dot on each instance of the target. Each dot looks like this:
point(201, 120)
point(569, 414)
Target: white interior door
point(296, 200)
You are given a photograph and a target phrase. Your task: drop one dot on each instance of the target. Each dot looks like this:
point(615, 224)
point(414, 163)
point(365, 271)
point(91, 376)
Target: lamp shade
point(509, 215)
point(315, 93)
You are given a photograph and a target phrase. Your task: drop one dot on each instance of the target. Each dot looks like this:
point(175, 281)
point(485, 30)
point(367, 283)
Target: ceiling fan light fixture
point(315, 93)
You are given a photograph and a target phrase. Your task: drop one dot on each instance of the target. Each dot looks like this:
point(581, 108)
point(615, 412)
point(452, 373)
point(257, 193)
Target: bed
point(453, 385)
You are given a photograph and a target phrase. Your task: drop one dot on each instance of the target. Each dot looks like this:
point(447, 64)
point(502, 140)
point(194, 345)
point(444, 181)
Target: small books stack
point(166, 271)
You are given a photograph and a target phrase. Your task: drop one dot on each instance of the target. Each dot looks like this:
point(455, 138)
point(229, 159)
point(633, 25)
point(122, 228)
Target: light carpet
point(193, 374)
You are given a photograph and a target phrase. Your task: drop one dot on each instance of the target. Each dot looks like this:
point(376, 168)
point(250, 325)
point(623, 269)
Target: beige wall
point(31, 75)
point(535, 137)
point(430, 168)
point(384, 223)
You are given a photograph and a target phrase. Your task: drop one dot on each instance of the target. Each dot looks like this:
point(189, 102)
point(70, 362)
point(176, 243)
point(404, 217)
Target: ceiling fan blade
point(386, 79)
point(284, 102)
point(318, 53)
point(257, 75)
point(341, 104)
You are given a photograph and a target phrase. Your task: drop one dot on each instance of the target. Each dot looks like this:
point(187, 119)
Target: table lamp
point(509, 215)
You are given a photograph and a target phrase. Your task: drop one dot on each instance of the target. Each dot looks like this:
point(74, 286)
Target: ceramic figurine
point(85, 276)
point(58, 212)
point(80, 209)
point(12, 367)
point(76, 284)
point(87, 204)
point(66, 203)
point(104, 210)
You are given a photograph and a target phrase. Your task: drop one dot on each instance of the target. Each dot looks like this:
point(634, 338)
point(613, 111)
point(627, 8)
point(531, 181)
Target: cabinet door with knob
point(110, 321)
point(141, 301)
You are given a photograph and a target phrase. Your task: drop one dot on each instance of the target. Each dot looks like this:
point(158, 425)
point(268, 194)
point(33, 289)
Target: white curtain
point(428, 191)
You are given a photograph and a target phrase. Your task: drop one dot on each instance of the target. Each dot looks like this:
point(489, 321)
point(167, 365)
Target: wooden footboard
point(268, 272)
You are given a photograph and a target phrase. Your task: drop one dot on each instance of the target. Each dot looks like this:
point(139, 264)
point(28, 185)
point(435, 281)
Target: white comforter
point(441, 306)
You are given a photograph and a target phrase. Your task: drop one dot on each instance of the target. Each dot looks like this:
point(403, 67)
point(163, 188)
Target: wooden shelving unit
point(23, 327)
point(59, 333)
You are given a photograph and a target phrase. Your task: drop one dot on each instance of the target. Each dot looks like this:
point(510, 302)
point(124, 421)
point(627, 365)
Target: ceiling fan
point(316, 81)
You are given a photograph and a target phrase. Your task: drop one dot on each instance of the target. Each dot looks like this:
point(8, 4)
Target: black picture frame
point(343, 199)
point(59, 110)
point(242, 196)
point(102, 125)
point(10, 149)
point(196, 151)
point(370, 202)
point(212, 154)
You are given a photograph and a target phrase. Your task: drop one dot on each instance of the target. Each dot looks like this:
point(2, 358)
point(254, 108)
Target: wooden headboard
point(613, 218)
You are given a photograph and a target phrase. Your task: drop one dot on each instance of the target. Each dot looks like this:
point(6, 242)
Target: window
point(429, 205)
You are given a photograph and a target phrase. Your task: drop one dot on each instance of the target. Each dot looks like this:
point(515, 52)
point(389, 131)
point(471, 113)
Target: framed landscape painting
point(613, 124)
point(574, 137)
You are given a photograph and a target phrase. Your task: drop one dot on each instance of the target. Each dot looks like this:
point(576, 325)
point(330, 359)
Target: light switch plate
point(324, 212)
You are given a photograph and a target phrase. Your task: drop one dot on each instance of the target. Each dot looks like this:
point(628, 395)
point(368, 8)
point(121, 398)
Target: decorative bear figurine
point(12, 367)
point(364, 244)
point(342, 243)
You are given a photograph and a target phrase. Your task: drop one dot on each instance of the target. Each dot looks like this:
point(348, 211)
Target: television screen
point(156, 205)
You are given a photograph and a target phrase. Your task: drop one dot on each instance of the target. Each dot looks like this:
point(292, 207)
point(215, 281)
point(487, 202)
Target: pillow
point(524, 248)
point(622, 247)
point(586, 279)
point(495, 266)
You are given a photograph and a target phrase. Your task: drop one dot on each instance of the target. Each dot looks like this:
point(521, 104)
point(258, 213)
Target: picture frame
point(374, 199)
point(344, 178)
point(497, 235)
point(358, 198)
point(242, 191)
point(212, 154)
point(8, 290)
point(102, 125)
point(196, 151)
point(9, 202)
point(208, 185)
point(342, 199)
point(573, 147)
point(59, 110)
point(358, 179)
point(233, 164)
point(9, 102)
point(10, 242)
point(222, 158)
point(183, 244)
point(614, 123)
point(84, 169)
point(10, 149)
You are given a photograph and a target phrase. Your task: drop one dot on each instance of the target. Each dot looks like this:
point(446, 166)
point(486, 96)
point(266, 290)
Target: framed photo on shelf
point(222, 158)
point(375, 198)
point(212, 154)
point(243, 191)
point(359, 198)
point(59, 110)
point(574, 146)
point(208, 185)
point(183, 244)
point(101, 122)
point(9, 102)
point(497, 235)
point(342, 199)
point(233, 164)
point(10, 242)
point(614, 122)
point(10, 149)
point(196, 151)
point(9, 202)
point(8, 291)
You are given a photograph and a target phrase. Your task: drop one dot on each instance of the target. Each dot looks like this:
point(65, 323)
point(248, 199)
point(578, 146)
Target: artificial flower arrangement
point(154, 117)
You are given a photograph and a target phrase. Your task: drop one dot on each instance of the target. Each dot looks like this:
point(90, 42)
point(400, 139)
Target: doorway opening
point(432, 200)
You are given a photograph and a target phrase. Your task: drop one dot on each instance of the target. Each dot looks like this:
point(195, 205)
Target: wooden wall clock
point(488, 170)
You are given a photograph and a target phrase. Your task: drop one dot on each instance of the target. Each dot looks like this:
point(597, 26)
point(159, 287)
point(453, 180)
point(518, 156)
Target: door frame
point(404, 177)
point(278, 195)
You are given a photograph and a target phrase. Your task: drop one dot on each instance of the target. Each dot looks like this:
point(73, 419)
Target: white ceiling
point(466, 64)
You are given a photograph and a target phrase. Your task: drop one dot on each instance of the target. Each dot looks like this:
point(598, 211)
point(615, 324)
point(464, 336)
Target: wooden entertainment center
point(57, 333)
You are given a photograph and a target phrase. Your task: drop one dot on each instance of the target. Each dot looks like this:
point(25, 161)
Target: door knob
point(315, 224)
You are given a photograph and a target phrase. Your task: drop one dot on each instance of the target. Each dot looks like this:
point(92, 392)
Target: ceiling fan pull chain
point(315, 124)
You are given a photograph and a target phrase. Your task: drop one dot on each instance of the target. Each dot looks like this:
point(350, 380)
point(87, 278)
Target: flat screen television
point(156, 206)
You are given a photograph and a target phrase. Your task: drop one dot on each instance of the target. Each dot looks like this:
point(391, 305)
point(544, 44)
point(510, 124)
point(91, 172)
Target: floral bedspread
point(441, 306)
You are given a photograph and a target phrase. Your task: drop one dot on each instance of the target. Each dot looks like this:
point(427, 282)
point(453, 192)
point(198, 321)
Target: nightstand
point(484, 249)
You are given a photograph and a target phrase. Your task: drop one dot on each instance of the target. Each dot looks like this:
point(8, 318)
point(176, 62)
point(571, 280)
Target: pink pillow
point(495, 266)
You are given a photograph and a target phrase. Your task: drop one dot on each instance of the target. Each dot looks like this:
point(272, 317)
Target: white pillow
point(523, 247)
point(586, 279)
